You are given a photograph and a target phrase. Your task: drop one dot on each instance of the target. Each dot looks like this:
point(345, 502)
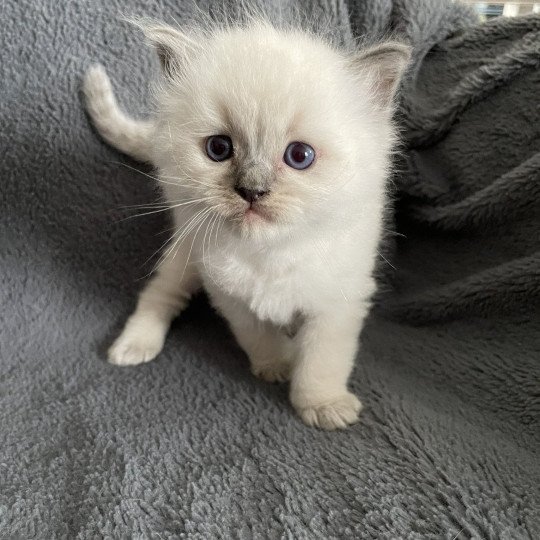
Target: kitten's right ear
point(172, 45)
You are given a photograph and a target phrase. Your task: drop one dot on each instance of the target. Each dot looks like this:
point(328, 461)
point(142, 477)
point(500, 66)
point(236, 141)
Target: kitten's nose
point(249, 195)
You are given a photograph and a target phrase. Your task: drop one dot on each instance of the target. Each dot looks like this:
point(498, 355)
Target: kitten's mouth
point(251, 215)
point(254, 213)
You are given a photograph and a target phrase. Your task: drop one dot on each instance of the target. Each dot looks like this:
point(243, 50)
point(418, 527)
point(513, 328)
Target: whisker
point(209, 229)
point(171, 207)
point(154, 254)
point(193, 242)
point(143, 206)
point(386, 260)
point(169, 203)
point(183, 233)
point(166, 209)
point(179, 179)
point(218, 230)
point(179, 234)
point(152, 177)
point(394, 233)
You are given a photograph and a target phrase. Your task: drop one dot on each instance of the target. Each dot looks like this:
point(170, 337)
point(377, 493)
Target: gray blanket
point(192, 445)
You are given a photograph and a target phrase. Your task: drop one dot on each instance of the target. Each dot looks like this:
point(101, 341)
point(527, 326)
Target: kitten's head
point(273, 129)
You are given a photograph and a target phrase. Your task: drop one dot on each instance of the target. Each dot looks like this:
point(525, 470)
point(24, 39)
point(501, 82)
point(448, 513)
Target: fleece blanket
point(191, 445)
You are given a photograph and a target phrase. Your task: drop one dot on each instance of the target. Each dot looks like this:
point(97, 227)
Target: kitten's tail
point(133, 137)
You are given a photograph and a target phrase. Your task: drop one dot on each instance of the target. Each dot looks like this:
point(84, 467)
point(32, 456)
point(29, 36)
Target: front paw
point(336, 413)
point(140, 342)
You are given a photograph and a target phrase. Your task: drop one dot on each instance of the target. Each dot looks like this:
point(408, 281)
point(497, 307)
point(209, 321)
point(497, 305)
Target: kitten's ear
point(385, 64)
point(172, 45)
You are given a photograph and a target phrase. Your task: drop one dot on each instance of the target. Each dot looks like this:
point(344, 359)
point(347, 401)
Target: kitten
point(273, 146)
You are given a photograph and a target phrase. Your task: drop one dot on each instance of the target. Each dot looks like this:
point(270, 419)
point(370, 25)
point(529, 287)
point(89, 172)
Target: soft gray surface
point(192, 445)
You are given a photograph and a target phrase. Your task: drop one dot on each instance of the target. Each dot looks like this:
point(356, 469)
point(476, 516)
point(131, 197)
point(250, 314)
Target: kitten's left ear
point(172, 45)
point(385, 65)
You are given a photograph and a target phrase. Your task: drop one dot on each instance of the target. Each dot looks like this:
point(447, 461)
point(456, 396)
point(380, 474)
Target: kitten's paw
point(138, 343)
point(123, 353)
point(335, 414)
point(276, 372)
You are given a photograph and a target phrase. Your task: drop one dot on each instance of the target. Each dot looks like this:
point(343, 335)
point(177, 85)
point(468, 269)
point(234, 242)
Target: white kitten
point(274, 147)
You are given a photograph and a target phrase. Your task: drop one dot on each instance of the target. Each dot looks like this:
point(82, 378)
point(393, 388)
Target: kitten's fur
point(308, 256)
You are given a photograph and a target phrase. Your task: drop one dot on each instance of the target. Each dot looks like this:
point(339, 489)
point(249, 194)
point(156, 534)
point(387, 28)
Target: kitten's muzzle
point(252, 181)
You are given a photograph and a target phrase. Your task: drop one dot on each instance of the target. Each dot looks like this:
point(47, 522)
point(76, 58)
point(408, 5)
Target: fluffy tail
point(132, 137)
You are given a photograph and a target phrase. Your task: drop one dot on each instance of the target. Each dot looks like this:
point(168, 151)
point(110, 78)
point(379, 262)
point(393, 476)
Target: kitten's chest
point(272, 289)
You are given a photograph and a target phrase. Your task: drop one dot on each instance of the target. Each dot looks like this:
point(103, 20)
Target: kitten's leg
point(133, 137)
point(269, 350)
point(271, 355)
point(327, 346)
point(163, 298)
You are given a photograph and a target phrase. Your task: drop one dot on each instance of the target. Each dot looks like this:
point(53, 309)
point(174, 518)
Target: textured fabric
point(192, 445)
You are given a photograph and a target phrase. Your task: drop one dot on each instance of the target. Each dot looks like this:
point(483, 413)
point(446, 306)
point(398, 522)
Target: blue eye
point(219, 147)
point(299, 155)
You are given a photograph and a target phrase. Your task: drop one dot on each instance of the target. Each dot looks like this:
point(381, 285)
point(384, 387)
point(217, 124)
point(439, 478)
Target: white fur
point(314, 256)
